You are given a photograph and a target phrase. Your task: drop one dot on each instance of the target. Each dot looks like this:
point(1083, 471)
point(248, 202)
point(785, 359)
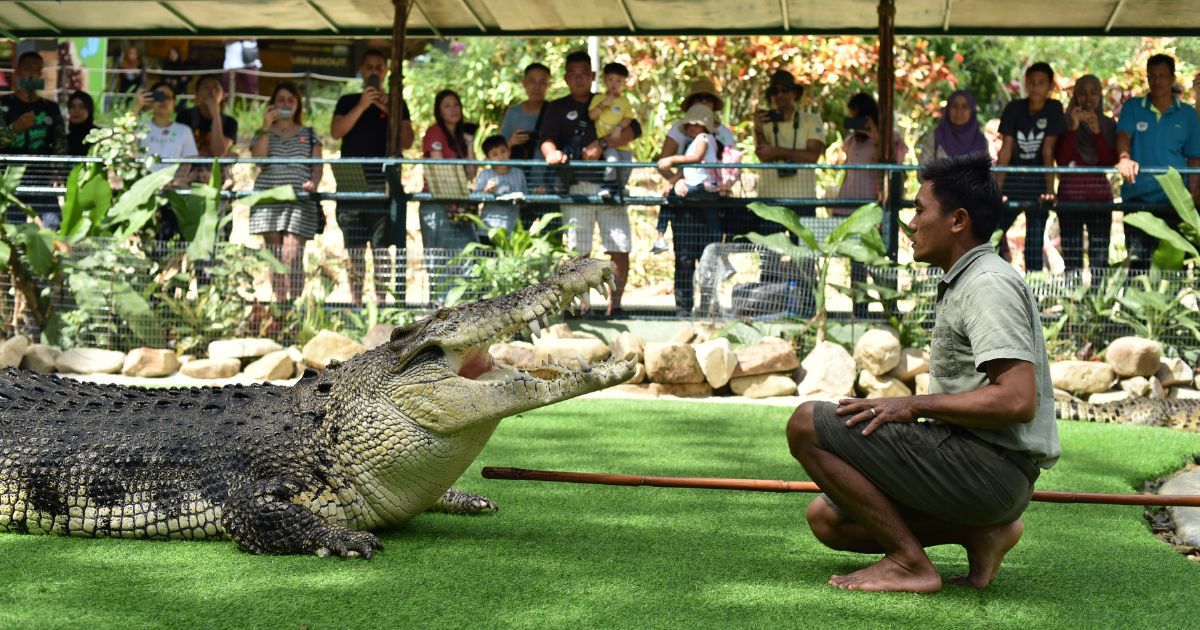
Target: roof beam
point(43, 20)
point(179, 16)
point(946, 17)
point(474, 16)
point(1112, 17)
point(787, 19)
point(324, 18)
point(432, 27)
point(628, 17)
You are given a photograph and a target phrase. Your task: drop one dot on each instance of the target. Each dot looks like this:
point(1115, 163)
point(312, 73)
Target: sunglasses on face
point(778, 90)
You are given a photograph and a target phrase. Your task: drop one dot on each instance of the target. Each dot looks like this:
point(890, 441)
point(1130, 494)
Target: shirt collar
point(961, 265)
point(1175, 103)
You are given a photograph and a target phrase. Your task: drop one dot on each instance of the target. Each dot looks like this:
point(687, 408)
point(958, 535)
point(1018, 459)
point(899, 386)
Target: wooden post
point(887, 124)
point(396, 78)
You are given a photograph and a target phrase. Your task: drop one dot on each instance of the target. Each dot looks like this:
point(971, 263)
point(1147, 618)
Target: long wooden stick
point(769, 485)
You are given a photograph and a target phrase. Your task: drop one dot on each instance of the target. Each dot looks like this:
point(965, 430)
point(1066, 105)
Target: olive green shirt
point(985, 311)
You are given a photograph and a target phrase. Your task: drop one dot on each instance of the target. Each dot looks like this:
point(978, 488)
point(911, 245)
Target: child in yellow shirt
point(612, 113)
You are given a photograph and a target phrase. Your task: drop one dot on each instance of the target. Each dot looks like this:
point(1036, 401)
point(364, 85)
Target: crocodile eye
point(442, 314)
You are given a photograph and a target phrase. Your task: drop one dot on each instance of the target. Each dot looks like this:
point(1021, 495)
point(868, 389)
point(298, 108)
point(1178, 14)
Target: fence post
point(232, 87)
point(308, 92)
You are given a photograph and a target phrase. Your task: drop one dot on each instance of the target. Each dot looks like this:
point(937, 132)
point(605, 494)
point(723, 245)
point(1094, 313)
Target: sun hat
point(702, 87)
point(699, 115)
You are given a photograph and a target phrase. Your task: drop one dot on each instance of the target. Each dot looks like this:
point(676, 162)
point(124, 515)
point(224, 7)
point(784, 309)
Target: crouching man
point(958, 465)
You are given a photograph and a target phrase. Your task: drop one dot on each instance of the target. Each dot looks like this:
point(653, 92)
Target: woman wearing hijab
point(80, 114)
point(1088, 141)
point(958, 133)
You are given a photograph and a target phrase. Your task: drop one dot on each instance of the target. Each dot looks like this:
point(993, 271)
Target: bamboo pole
point(769, 485)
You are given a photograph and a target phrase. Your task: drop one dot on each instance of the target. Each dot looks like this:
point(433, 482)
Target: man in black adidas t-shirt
point(1030, 127)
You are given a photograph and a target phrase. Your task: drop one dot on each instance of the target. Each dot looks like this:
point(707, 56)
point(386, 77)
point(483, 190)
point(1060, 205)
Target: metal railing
point(404, 276)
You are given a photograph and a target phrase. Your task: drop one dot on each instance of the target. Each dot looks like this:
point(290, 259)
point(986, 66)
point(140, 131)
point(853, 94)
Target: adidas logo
point(1030, 144)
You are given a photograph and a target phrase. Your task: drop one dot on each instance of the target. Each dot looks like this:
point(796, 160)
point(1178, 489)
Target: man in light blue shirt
point(1156, 130)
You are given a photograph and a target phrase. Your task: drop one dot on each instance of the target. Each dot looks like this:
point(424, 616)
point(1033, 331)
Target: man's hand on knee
point(876, 411)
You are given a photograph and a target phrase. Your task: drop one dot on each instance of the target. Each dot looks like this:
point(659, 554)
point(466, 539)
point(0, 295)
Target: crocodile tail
point(1085, 412)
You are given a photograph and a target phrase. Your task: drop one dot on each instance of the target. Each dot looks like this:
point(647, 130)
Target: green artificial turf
point(567, 556)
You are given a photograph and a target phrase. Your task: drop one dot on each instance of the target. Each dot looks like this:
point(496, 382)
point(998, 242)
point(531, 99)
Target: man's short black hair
point(534, 67)
point(618, 69)
point(27, 54)
point(579, 56)
point(492, 142)
point(1040, 66)
point(373, 52)
point(966, 181)
point(1161, 59)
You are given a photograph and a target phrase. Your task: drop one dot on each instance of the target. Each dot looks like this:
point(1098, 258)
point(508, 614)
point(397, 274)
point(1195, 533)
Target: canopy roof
point(367, 18)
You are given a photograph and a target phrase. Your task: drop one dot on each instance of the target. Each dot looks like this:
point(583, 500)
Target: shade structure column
point(893, 183)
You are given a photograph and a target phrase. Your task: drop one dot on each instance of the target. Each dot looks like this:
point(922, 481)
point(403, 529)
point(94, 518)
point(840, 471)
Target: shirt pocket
point(943, 360)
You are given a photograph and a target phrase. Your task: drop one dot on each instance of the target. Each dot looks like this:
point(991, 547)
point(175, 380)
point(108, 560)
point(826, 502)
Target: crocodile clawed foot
point(455, 501)
point(351, 545)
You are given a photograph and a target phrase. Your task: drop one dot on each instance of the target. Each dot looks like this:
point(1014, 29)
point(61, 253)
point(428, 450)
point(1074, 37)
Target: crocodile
point(1183, 414)
point(314, 468)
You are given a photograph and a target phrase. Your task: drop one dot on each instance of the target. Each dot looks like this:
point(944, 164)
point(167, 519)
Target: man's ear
point(960, 221)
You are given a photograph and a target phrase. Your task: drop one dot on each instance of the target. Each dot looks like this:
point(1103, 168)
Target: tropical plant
point(510, 260)
point(1159, 309)
point(119, 145)
point(1175, 248)
point(856, 237)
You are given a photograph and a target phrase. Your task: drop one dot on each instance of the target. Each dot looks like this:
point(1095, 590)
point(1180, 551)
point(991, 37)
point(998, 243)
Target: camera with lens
point(373, 81)
point(774, 115)
point(285, 113)
point(158, 97)
point(857, 124)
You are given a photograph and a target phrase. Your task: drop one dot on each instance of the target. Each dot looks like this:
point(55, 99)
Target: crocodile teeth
point(535, 326)
point(612, 284)
point(583, 363)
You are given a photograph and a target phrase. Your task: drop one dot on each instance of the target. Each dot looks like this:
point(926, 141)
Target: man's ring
point(873, 412)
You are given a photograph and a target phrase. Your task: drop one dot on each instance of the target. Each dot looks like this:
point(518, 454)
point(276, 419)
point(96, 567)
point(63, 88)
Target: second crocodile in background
point(366, 445)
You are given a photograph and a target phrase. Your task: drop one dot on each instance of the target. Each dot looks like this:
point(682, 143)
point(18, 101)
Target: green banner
point(88, 59)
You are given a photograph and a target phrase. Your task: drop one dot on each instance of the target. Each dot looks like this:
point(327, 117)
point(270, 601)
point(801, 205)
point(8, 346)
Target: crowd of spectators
point(1155, 130)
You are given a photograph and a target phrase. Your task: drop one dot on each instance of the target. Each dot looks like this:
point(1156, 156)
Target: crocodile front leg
point(455, 501)
point(272, 517)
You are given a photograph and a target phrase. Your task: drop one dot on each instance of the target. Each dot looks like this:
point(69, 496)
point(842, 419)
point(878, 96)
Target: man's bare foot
point(986, 551)
point(890, 575)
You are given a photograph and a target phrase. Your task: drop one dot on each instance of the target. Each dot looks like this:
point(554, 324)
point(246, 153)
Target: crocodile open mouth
point(536, 310)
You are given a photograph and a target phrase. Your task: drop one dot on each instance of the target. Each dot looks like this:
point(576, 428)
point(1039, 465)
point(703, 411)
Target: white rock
point(565, 351)
point(829, 372)
point(1184, 393)
point(273, 366)
point(873, 386)
point(1133, 356)
point(12, 350)
point(1107, 397)
point(41, 359)
point(878, 351)
point(770, 355)
point(1157, 391)
point(913, 361)
point(627, 345)
point(684, 335)
point(242, 348)
point(1196, 383)
point(921, 382)
point(150, 362)
point(90, 361)
point(1174, 371)
point(1187, 519)
point(763, 385)
point(1139, 386)
point(717, 361)
point(208, 369)
point(1087, 377)
point(297, 357)
point(329, 346)
point(673, 363)
point(519, 354)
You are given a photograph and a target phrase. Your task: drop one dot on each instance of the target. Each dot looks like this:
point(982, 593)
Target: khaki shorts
point(582, 220)
point(935, 468)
